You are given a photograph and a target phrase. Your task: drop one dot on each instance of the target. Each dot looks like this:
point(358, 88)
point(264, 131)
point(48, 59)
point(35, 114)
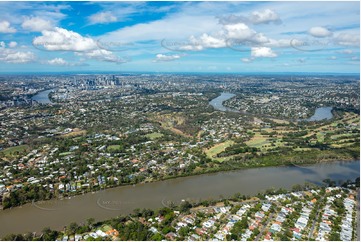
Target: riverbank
point(234, 199)
point(298, 158)
point(217, 103)
point(43, 96)
point(124, 199)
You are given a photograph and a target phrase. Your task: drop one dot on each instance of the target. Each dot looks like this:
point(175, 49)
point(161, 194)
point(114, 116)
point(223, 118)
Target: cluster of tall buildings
point(92, 82)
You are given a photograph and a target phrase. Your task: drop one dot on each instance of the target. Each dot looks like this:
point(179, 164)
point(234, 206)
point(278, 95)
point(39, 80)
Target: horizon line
point(174, 72)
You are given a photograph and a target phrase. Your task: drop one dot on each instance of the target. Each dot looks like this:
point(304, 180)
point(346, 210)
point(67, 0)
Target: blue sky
point(223, 37)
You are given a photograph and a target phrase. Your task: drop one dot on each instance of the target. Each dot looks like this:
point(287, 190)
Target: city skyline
point(224, 37)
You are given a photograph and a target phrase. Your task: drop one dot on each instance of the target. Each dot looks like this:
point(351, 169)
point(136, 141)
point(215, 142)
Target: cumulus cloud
point(162, 57)
point(262, 52)
point(5, 27)
point(13, 56)
point(283, 43)
point(66, 40)
point(18, 57)
point(36, 24)
point(13, 44)
point(319, 32)
point(265, 16)
point(58, 62)
point(102, 17)
point(348, 39)
point(233, 19)
point(238, 31)
point(207, 41)
point(102, 55)
point(238, 35)
point(62, 62)
point(192, 45)
point(62, 39)
point(230, 34)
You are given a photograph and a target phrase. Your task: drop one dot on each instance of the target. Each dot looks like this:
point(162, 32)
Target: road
point(270, 217)
point(314, 221)
point(358, 215)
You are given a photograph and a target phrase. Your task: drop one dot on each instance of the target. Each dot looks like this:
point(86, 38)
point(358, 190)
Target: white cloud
point(62, 39)
point(57, 62)
point(62, 62)
point(262, 52)
point(170, 28)
point(257, 17)
point(101, 55)
point(66, 40)
point(19, 57)
point(13, 56)
point(247, 60)
point(319, 32)
point(16, 12)
point(13, 44)
point(265, 16)
point(348, 39)
point(36, 24)
point(193, 45)
point(332, 58)
point(162, 57)
point(120, 11)
point(5, 27)
point(198, 32)
point(102, 17)
point(206, 41)
point(239, 31)
point(283, 43)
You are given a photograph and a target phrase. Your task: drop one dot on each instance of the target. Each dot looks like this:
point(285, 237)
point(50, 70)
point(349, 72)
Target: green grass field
point(12, 150)
point(218, 148)
point(258, 141)
point(302, 149)
point(336, 145)
point(345, 136)
point(154, 135)
point(320, 136)
point(113, 147)
point(105, 228)
point(65, 153)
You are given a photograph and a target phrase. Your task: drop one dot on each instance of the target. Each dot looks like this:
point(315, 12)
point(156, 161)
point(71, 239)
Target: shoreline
point(122, 196)
point(209, 172)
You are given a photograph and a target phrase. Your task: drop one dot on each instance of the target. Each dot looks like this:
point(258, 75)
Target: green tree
point(185, 206)
point(157, 237)
point(72, 228)
point(49, 235)
point(183, 231)
point(90, 222)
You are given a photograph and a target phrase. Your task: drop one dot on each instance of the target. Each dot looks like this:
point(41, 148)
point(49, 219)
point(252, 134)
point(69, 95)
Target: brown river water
point(123, 200)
